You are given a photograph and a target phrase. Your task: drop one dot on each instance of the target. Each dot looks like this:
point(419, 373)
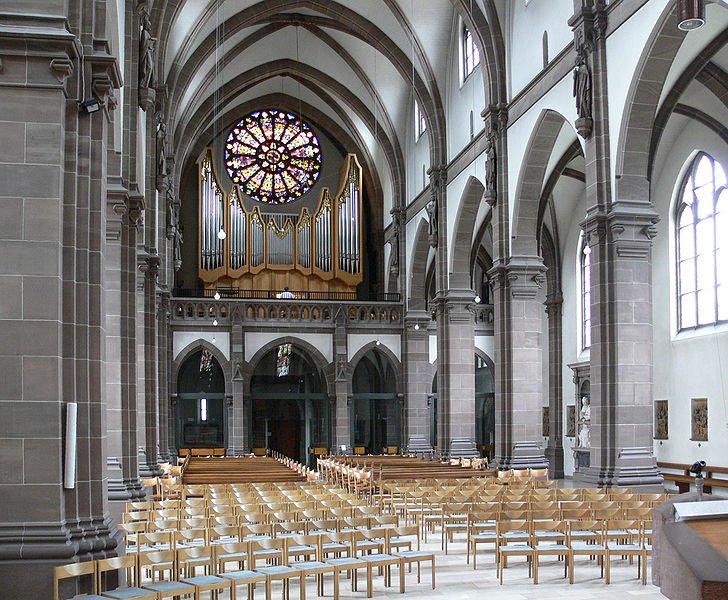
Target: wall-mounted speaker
point(69, 471)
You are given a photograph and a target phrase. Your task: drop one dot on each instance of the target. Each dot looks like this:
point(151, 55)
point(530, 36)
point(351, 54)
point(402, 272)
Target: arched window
point(701, 229)
point(585, 273)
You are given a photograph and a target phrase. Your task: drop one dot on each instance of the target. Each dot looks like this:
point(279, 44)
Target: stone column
point(621, 350)
point(163, 334)
point(123, 482)
point(619, 232)
point(418, 381)
point(555, 448)
point(52, 223)
point(237, 437)
point(456, 372)
point(518, 298)
point(342, 385)
point(150, 466)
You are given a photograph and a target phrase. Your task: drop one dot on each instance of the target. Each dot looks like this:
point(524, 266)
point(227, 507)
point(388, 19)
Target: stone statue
point(394, 241)
point(585, 411)
point(582, 85)
point(161, 147)
point(432, 214)
point(146, 52)
point(172, 215)
point(585, 423)
point(491, 166)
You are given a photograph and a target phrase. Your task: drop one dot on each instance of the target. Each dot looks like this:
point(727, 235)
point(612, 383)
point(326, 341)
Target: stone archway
point(470, 202)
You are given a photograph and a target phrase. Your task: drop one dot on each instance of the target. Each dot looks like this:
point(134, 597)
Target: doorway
point(376, 409)
point(289, 409)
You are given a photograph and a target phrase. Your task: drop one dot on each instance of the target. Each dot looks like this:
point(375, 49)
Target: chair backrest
point(73, 570)
point(258, 544)
point(159, 557)
point(158, 538)
point(232, 548)
point(118, 563)
point(404, 531)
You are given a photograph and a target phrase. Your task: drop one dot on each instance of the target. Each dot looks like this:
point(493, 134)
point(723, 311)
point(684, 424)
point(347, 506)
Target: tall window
point(585, 255)
point(420, 121)
point(471, 54)
point(702, 248)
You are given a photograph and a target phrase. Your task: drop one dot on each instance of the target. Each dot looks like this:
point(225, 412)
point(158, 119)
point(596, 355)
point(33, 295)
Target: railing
point(276, 295)
point(288, 310)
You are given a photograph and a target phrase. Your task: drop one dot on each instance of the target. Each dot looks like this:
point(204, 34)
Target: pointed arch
point(189, 350)
point(417, 293)
point(461, 270)
point(387, 354)
point(531, 182)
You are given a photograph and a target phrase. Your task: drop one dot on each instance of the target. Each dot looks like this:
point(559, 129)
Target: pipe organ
point(265, 250)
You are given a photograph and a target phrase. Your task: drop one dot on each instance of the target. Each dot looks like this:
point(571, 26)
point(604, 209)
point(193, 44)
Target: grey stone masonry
point(518, 304)
point(53, 176)
point(418, 375)
point(621, 350)
point(456, 372)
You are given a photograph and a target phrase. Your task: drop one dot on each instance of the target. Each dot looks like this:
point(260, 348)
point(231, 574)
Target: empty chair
point(548, 538)
point(378, 559)
point(411, 556)
point(514, 539)
point(313, 565)
point(586, 538)
point(231, 552)
point(128, 565)
point(339, 543)
point(156, 564)
point(80, 569)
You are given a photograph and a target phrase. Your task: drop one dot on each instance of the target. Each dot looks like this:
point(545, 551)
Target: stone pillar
point(621, 350)
point(456, 373)
point(163, 334)
point(518, 298)
point(53, 180)
point(237, 437)
point(619, 232)
point(150, 456)
point(418, 381)
point(123, 482)
point(555, 448)
point(342, 385)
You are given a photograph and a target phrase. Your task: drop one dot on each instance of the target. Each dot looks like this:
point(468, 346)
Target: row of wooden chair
point(164, 569)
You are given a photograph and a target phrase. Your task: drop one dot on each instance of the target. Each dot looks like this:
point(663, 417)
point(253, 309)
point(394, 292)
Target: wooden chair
point(235, 552)
point(514, 539)
point(129, 565)
point(274, 550)
point(313, 566)
point(627, 546)
point(157, 564)
point(586, 538)
point(481, 530)
point(378, 559)
point(341, 543)
point(80, 569)
point(548, 538)
point(411, 556)
point(191, 559)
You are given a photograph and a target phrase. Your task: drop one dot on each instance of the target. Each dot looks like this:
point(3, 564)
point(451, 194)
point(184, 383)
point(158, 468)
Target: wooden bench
point(713, 476)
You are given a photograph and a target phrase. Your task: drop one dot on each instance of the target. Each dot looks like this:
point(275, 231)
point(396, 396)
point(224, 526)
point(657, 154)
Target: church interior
point(455, 268)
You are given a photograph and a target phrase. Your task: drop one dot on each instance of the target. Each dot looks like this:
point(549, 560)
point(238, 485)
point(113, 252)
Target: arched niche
point(289, 407)
point(201, 418)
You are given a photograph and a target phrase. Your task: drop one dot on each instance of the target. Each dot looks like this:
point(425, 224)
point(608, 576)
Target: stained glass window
point(283, 361)
point(702, 253)
point(273, 156)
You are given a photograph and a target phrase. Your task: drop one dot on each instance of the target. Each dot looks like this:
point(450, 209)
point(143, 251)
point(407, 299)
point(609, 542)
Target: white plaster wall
point(417, 155)
point(624, 49)
point(411, 228)
point(433, 349)
point(254, 341)
point(689, 364)
point(486, 343)
point(219, 339)
point(560, 99)
point(526, 26)
point(356, 341)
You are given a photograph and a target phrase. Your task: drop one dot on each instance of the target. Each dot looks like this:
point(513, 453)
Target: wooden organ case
point(320, 252)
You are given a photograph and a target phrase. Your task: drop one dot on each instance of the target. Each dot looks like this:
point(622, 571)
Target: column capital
point(524, 276)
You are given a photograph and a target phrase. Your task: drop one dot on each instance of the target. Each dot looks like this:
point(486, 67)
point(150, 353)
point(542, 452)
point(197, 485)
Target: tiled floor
point(457, 580)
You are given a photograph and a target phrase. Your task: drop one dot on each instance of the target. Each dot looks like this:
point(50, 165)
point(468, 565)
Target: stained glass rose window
point(273, 156)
